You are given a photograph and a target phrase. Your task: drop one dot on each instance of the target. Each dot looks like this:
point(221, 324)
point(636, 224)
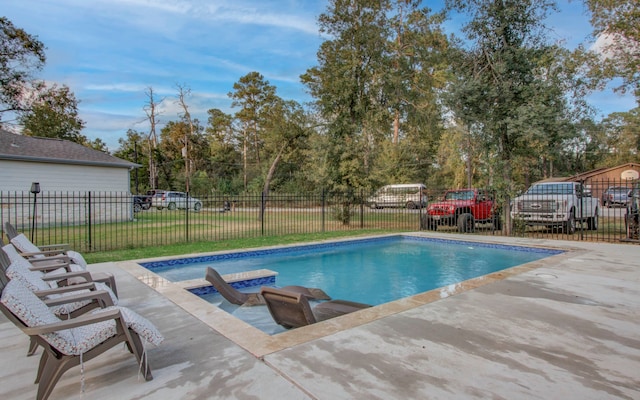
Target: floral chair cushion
point(33, 312)
point(19, 270)
point(139, 324)
point(23, 244)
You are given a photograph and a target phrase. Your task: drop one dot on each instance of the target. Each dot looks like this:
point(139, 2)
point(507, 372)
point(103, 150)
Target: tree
point(98, 144)
point(183, 92)
point(170, 158)
point(133, 147)
point(226, 159)
point(151, 110)
point(377, 82)
point(348, 87)
point(416, 59)
point(507, 85)
point(54, 114)
point(286, 131)
point(622, 138)
point(21, 55)
point(254, 95)
point(616, 24)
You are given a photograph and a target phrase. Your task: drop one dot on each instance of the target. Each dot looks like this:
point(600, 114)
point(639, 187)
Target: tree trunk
point(396, 128)
point(268, 178)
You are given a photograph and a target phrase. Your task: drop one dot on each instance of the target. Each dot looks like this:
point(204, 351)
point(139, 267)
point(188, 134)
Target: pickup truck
point(462, 208)
point(557, 205)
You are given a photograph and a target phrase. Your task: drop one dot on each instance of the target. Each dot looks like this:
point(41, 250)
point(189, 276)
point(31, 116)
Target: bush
point(343, 213)
point(518, 227)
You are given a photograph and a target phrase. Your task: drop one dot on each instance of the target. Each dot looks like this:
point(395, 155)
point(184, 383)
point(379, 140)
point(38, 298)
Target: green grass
point(209, 246)
point(172, 229)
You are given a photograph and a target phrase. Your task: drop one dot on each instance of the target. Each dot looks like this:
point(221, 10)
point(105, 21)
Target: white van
point(409, 195)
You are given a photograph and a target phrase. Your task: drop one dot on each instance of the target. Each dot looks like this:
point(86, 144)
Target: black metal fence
point(102, 221)
point(592, 210)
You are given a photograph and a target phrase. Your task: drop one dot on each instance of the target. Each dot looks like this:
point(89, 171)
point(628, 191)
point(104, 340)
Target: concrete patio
point(567, 327)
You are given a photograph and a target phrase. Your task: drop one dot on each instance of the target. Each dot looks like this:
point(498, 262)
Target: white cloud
point(614, 45)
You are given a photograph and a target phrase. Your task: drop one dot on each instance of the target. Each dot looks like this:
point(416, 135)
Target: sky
point(110, 52)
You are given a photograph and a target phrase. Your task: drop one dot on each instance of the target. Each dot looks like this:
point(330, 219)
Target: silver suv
point(173, 200)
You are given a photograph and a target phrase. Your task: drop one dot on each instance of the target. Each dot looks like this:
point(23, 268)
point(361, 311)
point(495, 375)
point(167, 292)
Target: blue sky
point(110, 51)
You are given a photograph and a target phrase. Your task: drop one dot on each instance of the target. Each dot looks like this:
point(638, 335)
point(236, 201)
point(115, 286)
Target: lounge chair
point(75, 341)
point(12, 232)
point(66, 301)
point(47, 287)
point(251, 299)
point(58, 263)
point(293, 310)
point(30, 250)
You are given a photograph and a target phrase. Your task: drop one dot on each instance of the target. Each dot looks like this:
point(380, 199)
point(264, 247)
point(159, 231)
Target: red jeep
point(462, 208)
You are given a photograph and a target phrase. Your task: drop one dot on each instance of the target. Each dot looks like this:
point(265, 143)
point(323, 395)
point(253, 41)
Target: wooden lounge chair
point(74, 341)
point(293, 310)
point(251, 299)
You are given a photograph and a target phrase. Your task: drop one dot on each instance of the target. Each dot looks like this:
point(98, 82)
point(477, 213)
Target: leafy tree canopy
point(616, 23)
point(21, 55)
point(54, 114)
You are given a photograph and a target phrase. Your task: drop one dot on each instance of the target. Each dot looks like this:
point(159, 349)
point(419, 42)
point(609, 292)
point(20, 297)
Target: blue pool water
point(372, 271)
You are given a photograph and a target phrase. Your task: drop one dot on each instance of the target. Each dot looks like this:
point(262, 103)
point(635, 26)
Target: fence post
point(186, 222)
point(581, 210)
point(361, 208)
point(323, 208)
point(262, 205)
point(89, 221)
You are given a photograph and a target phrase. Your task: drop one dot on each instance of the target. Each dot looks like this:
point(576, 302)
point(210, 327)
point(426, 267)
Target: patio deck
point(566, 327)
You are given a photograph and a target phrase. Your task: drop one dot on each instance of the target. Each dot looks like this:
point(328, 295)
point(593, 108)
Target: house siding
point(69, 194)
point(18, 176)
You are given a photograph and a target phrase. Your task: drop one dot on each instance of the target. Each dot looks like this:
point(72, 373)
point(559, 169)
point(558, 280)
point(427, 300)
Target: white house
point(59, 165)
point(77, 184)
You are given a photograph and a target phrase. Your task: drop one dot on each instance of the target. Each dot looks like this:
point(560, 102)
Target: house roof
point(58, 151)
point(599, 171)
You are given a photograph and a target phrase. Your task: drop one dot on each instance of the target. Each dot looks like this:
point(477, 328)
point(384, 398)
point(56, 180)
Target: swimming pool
point(373, 271)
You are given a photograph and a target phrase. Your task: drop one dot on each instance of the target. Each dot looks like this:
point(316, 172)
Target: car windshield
point(558, 188)
point(460, 195)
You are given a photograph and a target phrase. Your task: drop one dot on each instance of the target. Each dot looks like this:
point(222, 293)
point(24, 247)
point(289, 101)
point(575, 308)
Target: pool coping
point(261, 344)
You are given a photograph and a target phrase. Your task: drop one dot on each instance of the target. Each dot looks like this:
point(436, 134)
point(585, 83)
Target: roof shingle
point(38, 149)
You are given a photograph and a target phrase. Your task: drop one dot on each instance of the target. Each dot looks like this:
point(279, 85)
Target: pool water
point(372, 271)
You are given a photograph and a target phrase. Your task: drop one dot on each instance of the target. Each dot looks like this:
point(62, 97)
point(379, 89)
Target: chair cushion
point(19, 270)
point(77, 259)
point(22, 243)
point(14, 256)
point(25, 246)
point(33, 312)
point(139, 324)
